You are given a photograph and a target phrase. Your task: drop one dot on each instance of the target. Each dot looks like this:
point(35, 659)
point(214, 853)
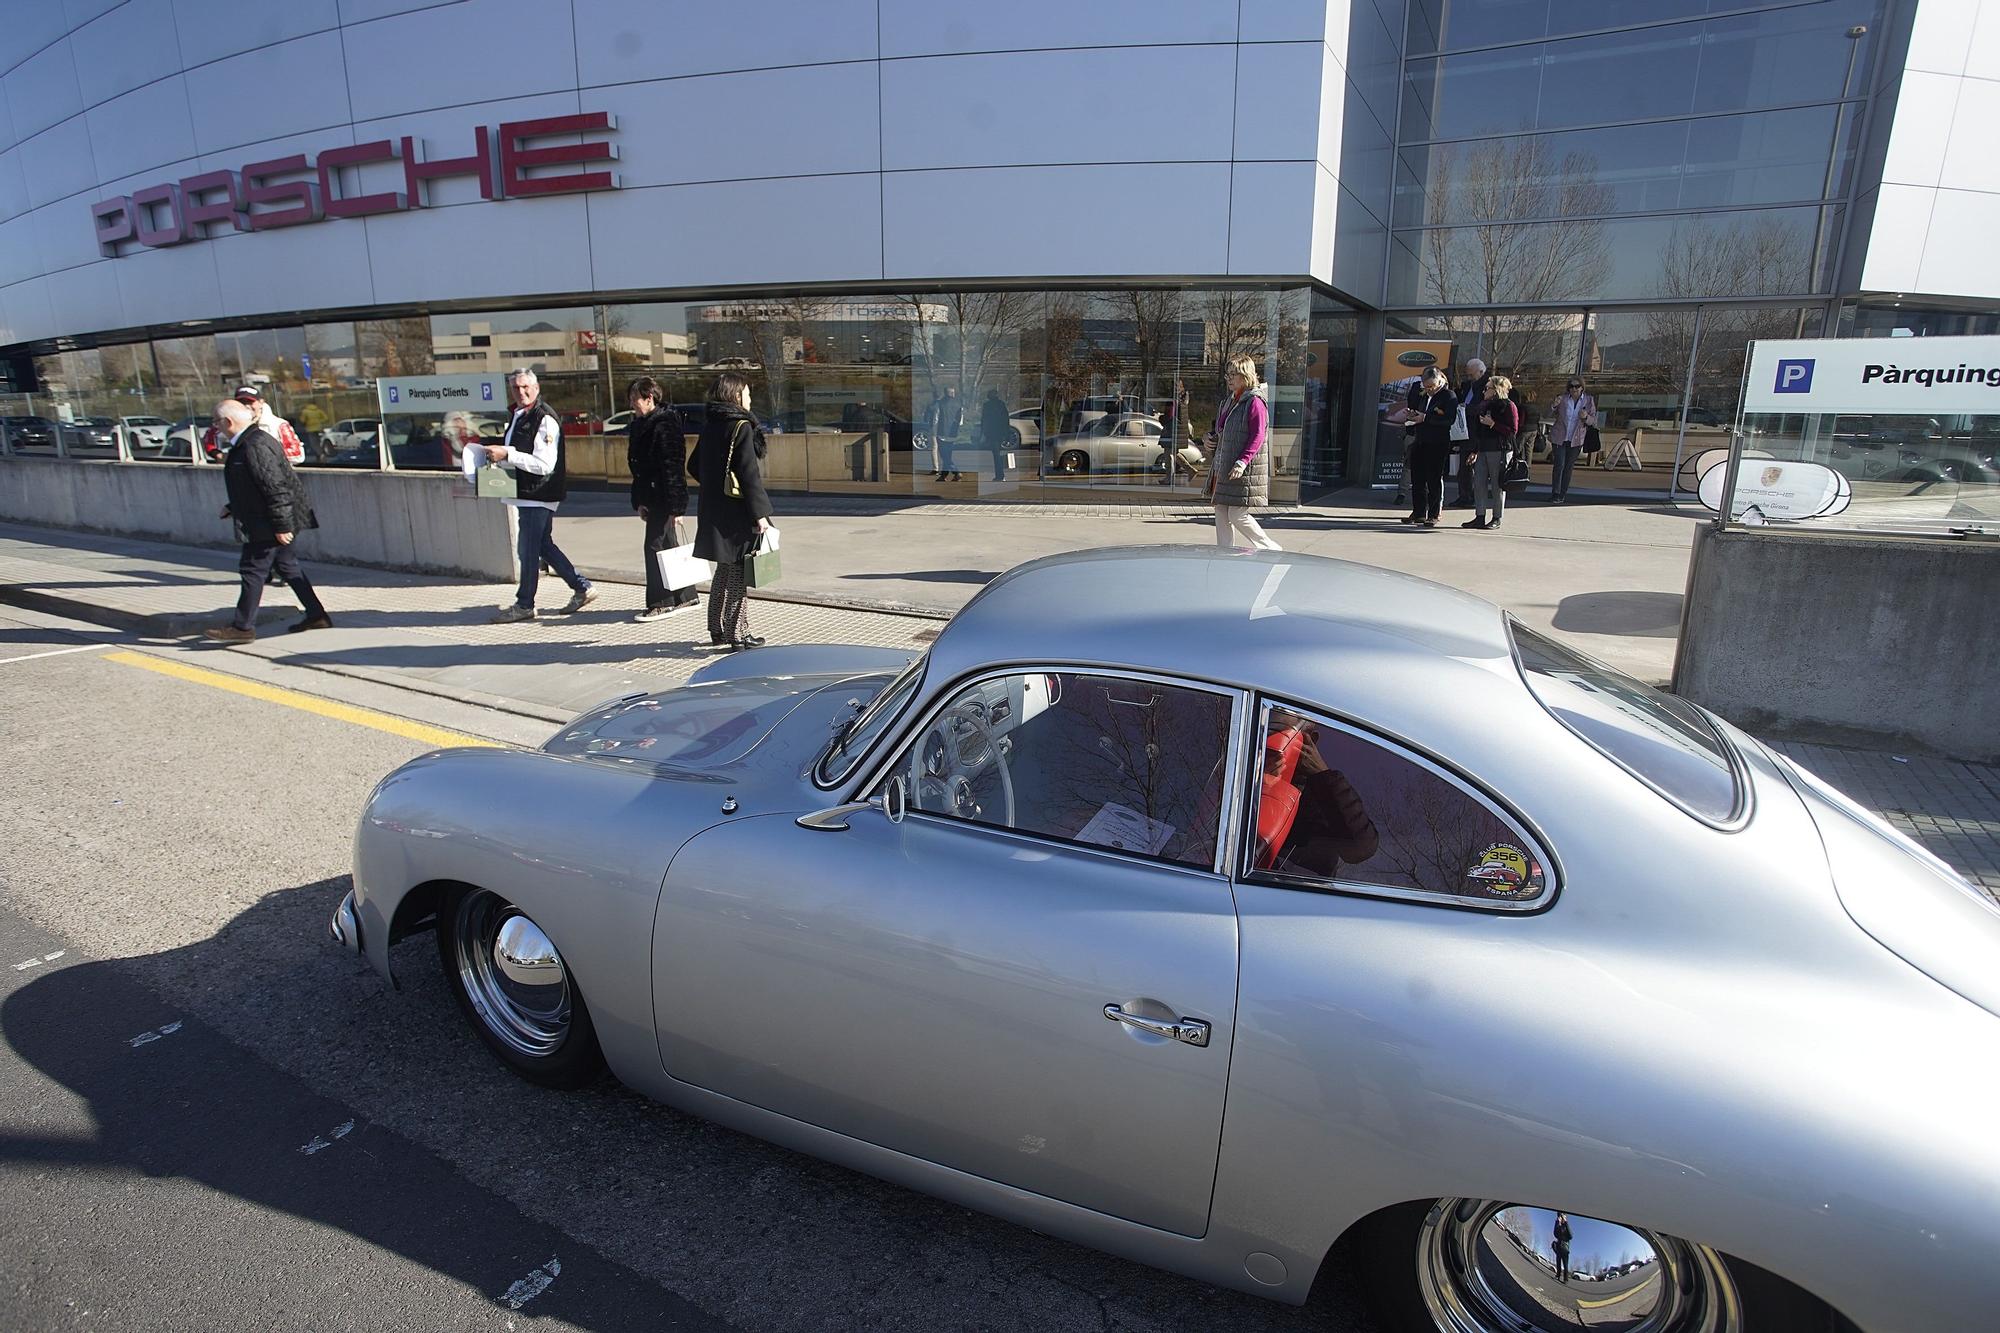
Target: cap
point(248, 391)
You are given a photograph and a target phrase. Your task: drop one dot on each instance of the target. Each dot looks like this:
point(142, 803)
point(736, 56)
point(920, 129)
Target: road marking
point(55, 652)
point(319, 1144)
point(37, 962)
point(360, 717)
point(144, 1037)
point(1622, 1296)
point(533, 1285)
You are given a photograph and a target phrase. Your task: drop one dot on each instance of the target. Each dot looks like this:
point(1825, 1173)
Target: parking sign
point(1794, 377)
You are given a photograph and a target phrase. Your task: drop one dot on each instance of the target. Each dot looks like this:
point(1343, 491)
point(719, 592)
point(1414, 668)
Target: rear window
point(1663, 741)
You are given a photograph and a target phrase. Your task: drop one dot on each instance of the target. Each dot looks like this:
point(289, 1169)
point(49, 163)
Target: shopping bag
point(762, 568)
point(1459, 430)
point(679, 566)
point(495, 483)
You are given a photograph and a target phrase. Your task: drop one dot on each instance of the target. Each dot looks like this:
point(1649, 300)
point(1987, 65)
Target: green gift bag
point(496, 483)
point(761, 568)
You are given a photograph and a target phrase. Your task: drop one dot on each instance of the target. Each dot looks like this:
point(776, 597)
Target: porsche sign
point(291, 191)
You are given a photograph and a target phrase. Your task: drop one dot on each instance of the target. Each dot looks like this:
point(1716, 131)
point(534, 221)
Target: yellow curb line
point(361, 717)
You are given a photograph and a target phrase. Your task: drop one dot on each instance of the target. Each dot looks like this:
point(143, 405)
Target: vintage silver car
point(1225, 910)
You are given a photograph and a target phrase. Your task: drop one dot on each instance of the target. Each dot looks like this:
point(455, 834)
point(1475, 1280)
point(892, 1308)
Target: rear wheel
point(1482, 1266)
point(516, 990)
point(1073, 461)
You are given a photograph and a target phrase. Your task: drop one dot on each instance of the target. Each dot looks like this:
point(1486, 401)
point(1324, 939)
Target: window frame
point(1522, 827)
point(881, 767)
point(919, 666)
point(1739, 767)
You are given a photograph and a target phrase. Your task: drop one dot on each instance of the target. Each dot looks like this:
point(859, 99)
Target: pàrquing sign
point(291, 191)
point(1900, 376)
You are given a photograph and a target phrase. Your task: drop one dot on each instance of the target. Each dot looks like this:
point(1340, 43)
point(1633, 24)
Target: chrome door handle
point(1189, 1031)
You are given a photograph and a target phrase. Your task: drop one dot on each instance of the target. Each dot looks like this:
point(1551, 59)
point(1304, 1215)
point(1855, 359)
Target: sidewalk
point(430, 634)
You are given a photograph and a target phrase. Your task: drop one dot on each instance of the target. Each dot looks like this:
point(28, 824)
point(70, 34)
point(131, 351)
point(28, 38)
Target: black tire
point(1074, 462)
point(1383, 1251)
point(568, 1054)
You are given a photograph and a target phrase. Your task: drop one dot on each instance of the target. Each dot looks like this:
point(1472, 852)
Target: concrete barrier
point(415, 521)
point(1845, 639)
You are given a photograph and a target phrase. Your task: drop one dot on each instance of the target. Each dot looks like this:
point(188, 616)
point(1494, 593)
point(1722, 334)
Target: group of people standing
point(1492, 435)
point(946, 426)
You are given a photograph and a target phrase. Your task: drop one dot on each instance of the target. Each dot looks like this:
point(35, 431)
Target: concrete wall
point(1846, 639)
point(398, 520)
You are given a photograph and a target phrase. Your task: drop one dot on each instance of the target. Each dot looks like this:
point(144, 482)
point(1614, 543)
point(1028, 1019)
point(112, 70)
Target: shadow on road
point(1654, 615)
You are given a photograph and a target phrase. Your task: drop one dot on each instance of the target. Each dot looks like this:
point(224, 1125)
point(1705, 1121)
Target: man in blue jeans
point(533, 450)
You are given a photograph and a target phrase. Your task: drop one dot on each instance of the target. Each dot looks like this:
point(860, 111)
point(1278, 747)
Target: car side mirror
point(894, 802)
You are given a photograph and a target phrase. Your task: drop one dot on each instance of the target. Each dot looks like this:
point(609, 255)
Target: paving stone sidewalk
point(430, 634)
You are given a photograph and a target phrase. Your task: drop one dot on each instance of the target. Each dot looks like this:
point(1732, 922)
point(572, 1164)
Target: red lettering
point(515, 159)
point(113, 220)
point(360, 205)
point(199, 213)
point(303, 195)
point(145, 201)
point(415, 173)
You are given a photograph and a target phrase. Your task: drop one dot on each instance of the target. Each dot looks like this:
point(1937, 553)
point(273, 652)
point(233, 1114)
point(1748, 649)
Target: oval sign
point(1780, 492)
point(1417, 357)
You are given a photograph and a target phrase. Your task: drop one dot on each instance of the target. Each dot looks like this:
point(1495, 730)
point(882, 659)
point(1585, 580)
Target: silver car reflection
point(1230, 910)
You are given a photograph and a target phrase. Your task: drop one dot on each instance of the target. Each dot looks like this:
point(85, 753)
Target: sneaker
point(310, 622)
point(1428, 523)
point(1478, 522)
point(1494, 524)
point(510, 615)
point(229, 634)
point(1409, 518)
point(652, 613)
point(578, 602)
point(751, 641)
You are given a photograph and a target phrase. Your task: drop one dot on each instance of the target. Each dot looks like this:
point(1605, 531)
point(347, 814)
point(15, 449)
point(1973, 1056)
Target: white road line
point(144, 1037)
point(533, 1285)
point(319, 1144)
point(57, 652)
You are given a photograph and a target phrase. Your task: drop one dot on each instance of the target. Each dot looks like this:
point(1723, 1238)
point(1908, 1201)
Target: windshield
point(1662, 740)
point(849, 745)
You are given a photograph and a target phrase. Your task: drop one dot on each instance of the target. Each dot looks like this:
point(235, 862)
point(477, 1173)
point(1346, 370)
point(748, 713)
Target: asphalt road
point(212, 1117)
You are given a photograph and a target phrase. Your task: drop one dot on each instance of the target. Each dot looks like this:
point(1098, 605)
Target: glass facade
point(995, 394)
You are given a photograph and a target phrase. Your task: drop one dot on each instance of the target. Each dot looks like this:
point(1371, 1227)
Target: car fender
point(579, 845)
point(1639, 1053)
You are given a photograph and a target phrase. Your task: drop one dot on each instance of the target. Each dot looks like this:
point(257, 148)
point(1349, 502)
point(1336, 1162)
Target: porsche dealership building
point(1066, 215)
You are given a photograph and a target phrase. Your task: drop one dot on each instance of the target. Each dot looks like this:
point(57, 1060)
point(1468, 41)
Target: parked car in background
point(90, 437)
point(1462, 928)
point(1027, 424)
point(188, 431)
point(1131, 443)
point(144, 432)
point(348, 436)
point(616, 423)
point(581, 423)
point(30, 434)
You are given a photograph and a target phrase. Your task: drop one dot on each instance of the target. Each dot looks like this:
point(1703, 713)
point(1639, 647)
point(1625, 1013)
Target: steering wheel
point(954, 750)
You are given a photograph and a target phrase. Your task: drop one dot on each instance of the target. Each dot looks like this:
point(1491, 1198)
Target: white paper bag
point(681, 568)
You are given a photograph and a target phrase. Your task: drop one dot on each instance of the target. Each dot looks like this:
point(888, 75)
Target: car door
point(1030, 977)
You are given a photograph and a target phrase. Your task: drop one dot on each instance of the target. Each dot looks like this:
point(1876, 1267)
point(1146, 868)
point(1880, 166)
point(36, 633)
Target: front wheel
point(516, 991)
point(1483, 1266)
point(1074, 462)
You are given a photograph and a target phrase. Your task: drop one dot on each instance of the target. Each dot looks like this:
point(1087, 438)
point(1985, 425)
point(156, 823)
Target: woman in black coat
point(728, 527)
point(1433, 409)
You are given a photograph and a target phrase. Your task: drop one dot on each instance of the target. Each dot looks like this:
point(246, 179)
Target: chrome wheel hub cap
point(513, 974)
point(1488, 1267)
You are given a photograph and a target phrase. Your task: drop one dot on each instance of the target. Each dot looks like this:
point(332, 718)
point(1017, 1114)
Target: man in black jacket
point(269, 505)
point(656, 453)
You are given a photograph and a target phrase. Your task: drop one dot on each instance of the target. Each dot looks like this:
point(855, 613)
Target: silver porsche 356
point(1217, 909)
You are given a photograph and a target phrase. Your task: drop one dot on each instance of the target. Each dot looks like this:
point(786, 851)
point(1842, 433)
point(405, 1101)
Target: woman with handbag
point(1239, 469)
point(1503, 424)
point(735, 512)
point(1433, 408)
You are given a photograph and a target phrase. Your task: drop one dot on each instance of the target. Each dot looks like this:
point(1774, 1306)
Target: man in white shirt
point(533, 450)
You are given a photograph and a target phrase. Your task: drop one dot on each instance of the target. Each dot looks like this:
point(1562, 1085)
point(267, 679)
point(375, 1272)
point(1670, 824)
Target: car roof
point(1375, 644)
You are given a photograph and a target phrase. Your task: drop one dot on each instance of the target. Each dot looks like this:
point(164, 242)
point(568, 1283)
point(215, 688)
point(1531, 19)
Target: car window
point(1662, 740)
point(849, 745)
point(1120, 762)
point(1336, 808)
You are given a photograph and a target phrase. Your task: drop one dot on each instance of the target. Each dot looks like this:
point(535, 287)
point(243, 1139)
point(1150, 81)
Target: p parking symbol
point(1794, 377)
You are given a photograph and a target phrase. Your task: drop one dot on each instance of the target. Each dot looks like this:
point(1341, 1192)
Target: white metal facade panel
point(769, 142)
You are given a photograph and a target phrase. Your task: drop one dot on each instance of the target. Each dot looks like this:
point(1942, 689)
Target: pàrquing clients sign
point(1903, 376)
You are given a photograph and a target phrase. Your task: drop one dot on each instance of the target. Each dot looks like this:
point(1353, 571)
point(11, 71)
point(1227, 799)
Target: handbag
point(731, 487)
point(1459, 430)
point(762, 568)
point(679, 566)
point(1516, 471)
point(494, 482)
point(1592, 442)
